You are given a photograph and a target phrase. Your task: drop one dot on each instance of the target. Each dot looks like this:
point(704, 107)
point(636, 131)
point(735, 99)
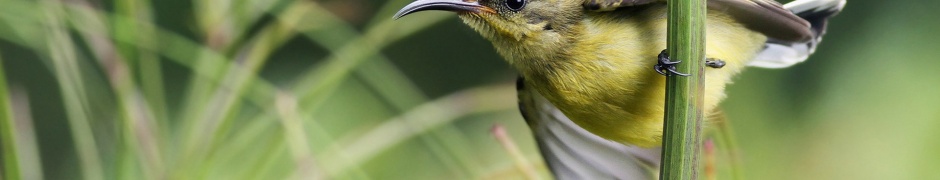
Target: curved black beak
point(445, 5)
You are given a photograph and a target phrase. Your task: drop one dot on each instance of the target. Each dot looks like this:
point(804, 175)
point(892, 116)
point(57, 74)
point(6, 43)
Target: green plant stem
point(238, 79)
point(413, 123)
point(11, 164)
point(682, 131)
point(181, 50)
point(140, 125)
point(148, 63)
point(61, 51)
point(725, 139)
point(351, 56)
point(296, 136)
point(389, 84)
point(27, 148)
point(522, 163)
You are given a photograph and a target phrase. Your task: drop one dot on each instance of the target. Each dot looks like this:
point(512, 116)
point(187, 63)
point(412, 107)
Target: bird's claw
point(667, 67)
point(714, 63)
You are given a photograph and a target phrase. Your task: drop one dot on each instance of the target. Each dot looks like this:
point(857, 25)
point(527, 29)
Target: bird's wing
point(793, 29)
point(779, 53)
point(574, 153)
point(607, 5)
point(765, 16)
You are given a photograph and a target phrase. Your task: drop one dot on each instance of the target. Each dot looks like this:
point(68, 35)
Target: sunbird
point(590, 70)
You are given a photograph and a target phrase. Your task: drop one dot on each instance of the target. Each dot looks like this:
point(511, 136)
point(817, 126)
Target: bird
point(585, 85)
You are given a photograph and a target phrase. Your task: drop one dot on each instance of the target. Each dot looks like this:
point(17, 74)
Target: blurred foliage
point(335, 89)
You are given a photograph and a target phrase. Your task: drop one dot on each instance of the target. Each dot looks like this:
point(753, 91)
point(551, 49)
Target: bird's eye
point(515, 5)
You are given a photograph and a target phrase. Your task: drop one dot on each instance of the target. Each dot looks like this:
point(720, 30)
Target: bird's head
point(521, 30)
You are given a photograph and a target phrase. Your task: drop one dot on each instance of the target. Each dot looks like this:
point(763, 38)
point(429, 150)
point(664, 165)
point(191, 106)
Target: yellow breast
point(607, 85)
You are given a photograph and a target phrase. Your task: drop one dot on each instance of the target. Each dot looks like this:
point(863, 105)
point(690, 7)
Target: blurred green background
point(335, 89)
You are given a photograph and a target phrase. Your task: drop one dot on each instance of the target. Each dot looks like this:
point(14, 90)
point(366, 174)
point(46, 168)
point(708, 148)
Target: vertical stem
point(296, 136)
point(682, 132)
point(62, 53)
point(522, 163)
point(8, 131)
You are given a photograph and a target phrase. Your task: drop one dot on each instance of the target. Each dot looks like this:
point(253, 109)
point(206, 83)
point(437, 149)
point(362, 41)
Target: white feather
point(574, 153)
point(814, 5)
point(783, 55)
point(779, 54)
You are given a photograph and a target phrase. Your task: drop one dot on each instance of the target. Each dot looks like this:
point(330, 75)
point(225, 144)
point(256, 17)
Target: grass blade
point(8, 133)
point(297, 138)
point(415, 122)
point(64, 58)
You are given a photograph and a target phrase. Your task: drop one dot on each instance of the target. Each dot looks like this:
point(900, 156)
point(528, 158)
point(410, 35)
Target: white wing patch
point(815, 5)
point(780, 54)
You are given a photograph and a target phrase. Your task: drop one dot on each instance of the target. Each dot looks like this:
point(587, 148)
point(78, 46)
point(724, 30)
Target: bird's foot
point(667, 67)
point(714, 63)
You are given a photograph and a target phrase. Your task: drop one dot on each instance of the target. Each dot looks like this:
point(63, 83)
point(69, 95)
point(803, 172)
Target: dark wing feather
point(607, 5)
point(765, 16)
point(574, 153)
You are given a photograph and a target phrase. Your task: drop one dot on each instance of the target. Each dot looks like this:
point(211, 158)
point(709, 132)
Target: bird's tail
point(781, 54)
point(816, 12)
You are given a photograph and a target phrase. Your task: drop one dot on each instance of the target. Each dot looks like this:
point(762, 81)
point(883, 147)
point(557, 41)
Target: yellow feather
point(608, 86)
point(598, 71)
